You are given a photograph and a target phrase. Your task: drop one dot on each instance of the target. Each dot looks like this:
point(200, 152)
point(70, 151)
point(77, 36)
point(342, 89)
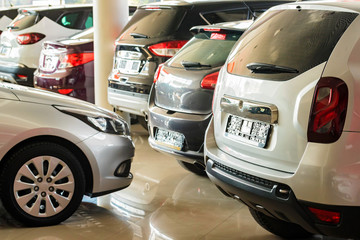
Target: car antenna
point(11, 5)
point(251, 11)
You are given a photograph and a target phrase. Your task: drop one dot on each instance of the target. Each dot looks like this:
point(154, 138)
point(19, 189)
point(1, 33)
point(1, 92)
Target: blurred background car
point(53, 150)
point(180, 100)
point(154, 34)
point(66, 66)
point(21, 43)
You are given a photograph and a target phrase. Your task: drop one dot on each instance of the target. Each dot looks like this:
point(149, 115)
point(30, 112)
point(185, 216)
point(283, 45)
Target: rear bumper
point(192, 126)
point(135, 103)
point(9, 72)
point(243, 181)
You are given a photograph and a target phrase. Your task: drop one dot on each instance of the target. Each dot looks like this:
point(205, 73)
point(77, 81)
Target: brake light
point(209, 81)
point(76, 59)
point(22, 77)
point(326, 216)
point(231, 66)
point(65, 91)
point(212, 29)
point(157, 72)
point(29, 38)
point(218, 36)
point(167, 49)
point(328, 110)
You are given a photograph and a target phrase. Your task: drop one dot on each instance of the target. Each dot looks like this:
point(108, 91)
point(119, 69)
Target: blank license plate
point(169, 139)
point(128, 66)
point(244, 130)
point(5, 51)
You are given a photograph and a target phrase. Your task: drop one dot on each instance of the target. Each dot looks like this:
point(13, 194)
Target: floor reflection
point(163, 202)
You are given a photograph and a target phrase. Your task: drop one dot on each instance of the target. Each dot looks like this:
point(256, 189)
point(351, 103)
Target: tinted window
point(23, 20)
point(206, 48)
point(89, 21)
point(297, 39)
point(226, 16)
point(154, 22)
point(70, 20)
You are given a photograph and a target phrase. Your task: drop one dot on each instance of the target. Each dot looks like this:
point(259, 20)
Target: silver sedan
point(55, 149)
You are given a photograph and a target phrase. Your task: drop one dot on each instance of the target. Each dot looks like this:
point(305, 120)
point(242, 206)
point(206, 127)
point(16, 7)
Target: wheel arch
point(84, 162)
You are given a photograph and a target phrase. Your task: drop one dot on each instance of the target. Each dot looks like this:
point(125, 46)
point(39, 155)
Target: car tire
point(279, 227)
point(194, 168)
point(42, 184)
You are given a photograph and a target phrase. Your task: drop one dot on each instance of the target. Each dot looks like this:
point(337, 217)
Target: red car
point(67, 66)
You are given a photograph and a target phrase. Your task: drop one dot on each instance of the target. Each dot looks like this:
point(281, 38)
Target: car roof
point(57, 7)
point(335, 5)
point(202, 2)
point(230, 26)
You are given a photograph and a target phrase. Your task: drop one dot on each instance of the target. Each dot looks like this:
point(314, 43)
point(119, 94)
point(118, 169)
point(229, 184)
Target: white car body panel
point(28, 55)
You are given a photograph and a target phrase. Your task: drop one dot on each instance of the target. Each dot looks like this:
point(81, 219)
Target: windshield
point(153, 22)
point(288, 39)
point(207, 48)
point(23, 20)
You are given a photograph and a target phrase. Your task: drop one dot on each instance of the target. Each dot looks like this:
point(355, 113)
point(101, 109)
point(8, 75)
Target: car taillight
point(157, 72)
point(209, 81)
point(326, 216)
point(29, 38)
point(76, 59)
point(65, 91)
point(328, 110)
point(167, 49)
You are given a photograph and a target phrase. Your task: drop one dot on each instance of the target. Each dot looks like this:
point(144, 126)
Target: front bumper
point(105, 152)
point(10, 72)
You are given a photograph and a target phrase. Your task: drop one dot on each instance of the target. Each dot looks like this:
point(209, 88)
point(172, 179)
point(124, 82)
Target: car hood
point(26, 94)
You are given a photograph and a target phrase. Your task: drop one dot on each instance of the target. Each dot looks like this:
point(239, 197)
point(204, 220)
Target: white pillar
point(110, 16)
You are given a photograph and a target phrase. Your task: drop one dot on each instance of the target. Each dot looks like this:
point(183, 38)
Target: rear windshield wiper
point(138, 35)
point(270, 68)
point(187, 64)
point(12, 27)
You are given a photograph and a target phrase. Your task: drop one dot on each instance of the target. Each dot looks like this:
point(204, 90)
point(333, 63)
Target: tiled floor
point(163, 202)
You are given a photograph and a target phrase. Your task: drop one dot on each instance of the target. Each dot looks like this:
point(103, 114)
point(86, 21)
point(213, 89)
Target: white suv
point(285, 135)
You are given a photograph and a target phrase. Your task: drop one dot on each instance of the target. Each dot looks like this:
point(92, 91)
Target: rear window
point(226, 16)
point(206, 48)
point(297, 40)
point(154, 22)
point(23, 20)
point(71, 20)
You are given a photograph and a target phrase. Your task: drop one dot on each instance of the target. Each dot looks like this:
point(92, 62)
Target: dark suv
point(154, 34)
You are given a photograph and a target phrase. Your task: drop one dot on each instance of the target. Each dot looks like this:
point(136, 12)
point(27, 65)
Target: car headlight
point(100, 119)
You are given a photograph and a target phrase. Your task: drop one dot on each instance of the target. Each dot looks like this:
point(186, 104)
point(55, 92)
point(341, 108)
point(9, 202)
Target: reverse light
point(76, 59)
point(209, 81)
point(326, 216)
point(157, 72)
point(328, 110)
point(29, 38)
point(65, 91)
point(167, 49)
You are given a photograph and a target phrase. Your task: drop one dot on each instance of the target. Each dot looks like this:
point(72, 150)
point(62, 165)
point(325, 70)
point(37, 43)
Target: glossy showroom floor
point(163, 202)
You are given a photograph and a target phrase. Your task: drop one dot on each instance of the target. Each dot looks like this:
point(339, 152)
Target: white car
point(54, 149)
point(21, 43)
point(285, 134)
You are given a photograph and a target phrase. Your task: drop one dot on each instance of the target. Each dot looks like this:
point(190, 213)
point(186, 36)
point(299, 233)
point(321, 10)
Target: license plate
point(127, 65)
point(4, 50)
point(244, 130)
point(169, 139)
point(49, 63)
